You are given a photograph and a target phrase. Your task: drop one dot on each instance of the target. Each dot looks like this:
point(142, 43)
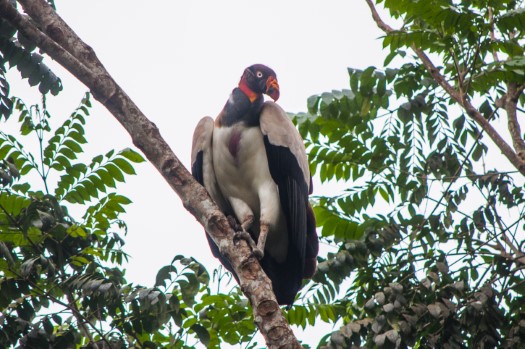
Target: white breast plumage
point(241, 168)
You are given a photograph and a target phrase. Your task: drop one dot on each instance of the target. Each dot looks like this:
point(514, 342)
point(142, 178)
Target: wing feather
point(202, 170)
point(280, 131)
point(202, 161)
point(289, 169)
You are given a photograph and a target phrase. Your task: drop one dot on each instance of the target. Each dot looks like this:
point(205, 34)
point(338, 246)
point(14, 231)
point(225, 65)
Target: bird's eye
point(259, 74)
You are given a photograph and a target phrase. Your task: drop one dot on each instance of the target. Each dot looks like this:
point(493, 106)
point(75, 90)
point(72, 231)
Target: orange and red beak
point(272, 88)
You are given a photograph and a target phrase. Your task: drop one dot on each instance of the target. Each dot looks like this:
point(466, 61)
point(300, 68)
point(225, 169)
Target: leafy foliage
point(85, 182)
point(30, 66)
point(5, 103)
point(52, 261)
point(17, 50)
point(430, 250)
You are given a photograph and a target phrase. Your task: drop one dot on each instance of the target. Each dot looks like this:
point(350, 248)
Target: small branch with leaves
point(515, 156)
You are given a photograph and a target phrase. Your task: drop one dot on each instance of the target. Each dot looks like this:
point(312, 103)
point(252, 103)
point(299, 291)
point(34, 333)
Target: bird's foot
point(257, 253)
point(241, 232)
point(244, 235)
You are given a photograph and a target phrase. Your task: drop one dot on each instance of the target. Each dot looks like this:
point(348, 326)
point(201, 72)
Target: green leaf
point(27, 63)
point(131, 155)
point(202, 333)
point(124, 166)
point(164, 274)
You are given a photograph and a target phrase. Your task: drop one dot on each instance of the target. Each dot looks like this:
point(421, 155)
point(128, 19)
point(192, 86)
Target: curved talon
point(258, 253)
point(244, 235)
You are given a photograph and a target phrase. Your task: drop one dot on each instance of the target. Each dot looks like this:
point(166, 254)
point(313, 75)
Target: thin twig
point(492, 36)
point(519, 255)
point(80, 320)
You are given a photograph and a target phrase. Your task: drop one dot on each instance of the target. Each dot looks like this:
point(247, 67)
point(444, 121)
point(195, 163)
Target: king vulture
point(253, 163)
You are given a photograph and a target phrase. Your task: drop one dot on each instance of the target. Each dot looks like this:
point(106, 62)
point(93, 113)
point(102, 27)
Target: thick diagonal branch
point(72, 53)
point(61, 33)
point(458, 97)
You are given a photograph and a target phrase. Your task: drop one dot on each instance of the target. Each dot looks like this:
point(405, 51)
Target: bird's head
point(258, 79)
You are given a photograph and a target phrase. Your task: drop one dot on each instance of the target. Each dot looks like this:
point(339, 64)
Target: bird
point(253, 163)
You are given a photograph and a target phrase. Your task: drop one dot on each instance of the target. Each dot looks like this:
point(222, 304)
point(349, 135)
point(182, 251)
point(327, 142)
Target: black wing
point(288, 166)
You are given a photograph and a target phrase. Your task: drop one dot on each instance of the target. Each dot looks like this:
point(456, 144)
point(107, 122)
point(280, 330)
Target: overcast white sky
point(179, 60)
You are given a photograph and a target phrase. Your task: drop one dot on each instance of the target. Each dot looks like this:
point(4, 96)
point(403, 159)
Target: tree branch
point(512, 116)
point(61, 44)
point(380, 23)
point(463, 101)
point(60, 32)
point(81, 321)
point(518, 92)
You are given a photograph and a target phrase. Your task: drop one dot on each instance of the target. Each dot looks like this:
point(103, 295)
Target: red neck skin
point(248, 91)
